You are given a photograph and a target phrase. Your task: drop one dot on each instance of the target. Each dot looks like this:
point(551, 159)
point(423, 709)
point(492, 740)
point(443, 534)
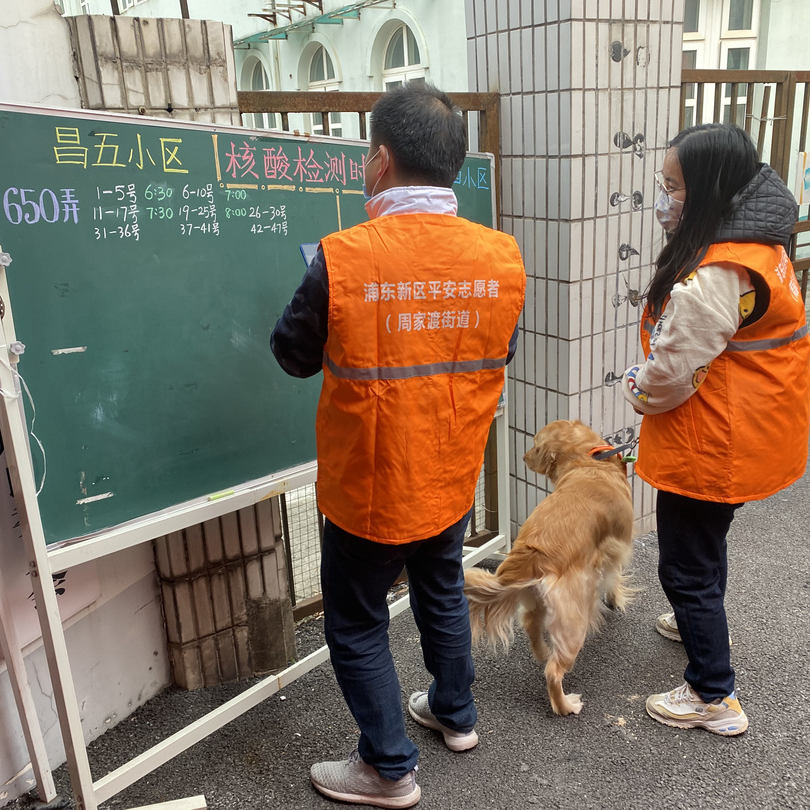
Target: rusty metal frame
point(487, 105)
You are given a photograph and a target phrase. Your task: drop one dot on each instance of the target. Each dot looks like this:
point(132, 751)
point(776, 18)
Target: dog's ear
point(542, 458)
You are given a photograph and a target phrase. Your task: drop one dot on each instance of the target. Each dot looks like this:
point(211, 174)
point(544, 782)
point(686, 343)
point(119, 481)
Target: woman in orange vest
point(724, 338)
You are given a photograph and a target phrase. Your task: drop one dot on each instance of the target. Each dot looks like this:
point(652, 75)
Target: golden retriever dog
point(572, 549)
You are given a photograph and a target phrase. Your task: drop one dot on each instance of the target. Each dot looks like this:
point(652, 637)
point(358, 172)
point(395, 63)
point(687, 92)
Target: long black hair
point(717, 161)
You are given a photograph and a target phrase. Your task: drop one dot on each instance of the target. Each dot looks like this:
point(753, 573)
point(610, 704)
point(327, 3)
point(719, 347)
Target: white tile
point(517, 143)
point(565, 189)
point(590, 54)
point(565, 123)
point(506, 187)
point(514, 14)
point(503, 63)
point(527, 114)
point(529, 187)
point(540, 371)
point(603, 61)
point(540, 58)
point(518, 186)
point(552, 33)
point(493, 77)
point(578, 56)
point(553, 189)
point(541, 190)
point(528, 316)
point(553, 123)
point(565, 54)
point(575, 251)
point(515, 61)
point(527, 82)
point(576, 130)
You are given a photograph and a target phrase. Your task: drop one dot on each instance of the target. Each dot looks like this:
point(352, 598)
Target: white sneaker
point(666, 625)
point(684, 708)
point(419, 709)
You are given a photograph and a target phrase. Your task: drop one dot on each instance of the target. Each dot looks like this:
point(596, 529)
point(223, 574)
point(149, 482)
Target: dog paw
point(574, 703)
point(570, 704)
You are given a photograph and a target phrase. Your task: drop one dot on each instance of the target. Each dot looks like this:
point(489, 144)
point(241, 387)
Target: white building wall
point(30, 29)
point(782, 27)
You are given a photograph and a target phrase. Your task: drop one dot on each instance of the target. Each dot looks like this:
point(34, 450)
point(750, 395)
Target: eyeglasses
point(662, 186)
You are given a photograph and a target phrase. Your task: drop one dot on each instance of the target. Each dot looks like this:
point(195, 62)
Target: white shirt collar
point(413, 200)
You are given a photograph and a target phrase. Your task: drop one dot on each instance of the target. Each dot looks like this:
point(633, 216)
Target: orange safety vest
point(421, 310)
point(743, 434)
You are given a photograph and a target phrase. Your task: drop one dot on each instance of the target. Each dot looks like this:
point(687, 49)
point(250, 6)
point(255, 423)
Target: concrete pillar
point(589, 99)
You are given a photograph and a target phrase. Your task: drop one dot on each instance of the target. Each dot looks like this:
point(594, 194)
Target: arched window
point(322, 78)
point(259, 80)
point(403, 62)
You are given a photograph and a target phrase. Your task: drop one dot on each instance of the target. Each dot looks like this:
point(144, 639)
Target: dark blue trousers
point(692, 568)
point(355, 577)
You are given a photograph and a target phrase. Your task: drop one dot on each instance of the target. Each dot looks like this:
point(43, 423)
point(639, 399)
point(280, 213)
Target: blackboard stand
point(46, 555)
point(45, 561)
point(12, 655)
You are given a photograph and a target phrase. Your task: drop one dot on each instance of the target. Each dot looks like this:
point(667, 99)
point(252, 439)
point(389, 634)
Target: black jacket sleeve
point(298, 338)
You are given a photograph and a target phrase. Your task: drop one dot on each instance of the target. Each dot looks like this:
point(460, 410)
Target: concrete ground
point(610, 756)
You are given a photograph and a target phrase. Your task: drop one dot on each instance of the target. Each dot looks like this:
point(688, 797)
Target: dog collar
point(604, 451)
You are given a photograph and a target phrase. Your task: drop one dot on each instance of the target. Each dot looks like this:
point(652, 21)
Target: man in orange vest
point(412, 317)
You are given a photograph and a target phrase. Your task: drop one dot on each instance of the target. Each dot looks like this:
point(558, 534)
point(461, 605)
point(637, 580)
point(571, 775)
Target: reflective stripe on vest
point(406, 372)
point(765, 344)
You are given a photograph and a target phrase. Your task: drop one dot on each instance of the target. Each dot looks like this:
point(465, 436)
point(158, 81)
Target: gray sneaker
point(351, 780)
point(455, 740)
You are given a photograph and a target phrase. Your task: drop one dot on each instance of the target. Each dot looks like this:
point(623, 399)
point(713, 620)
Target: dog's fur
point(574, 546)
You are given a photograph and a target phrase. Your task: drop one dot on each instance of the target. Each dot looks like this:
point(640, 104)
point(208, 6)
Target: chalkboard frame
point(46, 559)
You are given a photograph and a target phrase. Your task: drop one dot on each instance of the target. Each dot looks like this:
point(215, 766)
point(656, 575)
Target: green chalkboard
point(150, 261)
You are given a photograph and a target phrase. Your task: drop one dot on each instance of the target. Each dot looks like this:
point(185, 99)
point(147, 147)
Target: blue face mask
point(365, 193)
point(668, 211)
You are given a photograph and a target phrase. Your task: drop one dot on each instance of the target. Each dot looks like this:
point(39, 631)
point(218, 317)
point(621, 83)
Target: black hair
point(424, 131)
point(717, 162)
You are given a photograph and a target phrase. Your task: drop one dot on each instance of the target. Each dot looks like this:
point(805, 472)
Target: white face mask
point(668, 211)
point(365, 192)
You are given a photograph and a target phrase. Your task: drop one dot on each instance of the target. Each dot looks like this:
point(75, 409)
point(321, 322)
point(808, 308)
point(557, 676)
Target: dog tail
point(493, 606)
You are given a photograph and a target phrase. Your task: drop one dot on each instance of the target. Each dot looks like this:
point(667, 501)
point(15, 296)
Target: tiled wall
point(589, 99)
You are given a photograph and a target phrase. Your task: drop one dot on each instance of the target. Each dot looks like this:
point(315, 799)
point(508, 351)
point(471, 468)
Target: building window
point(259, 80)
point(403, 62)
point(124, 5)
point(323, 78)
point(689, 62)
point(740, 15)
point(691, 17)
point(736, 59)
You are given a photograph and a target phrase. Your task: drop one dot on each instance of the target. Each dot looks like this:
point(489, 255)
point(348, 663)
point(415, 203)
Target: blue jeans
point(692, 568)
point(355, 577)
